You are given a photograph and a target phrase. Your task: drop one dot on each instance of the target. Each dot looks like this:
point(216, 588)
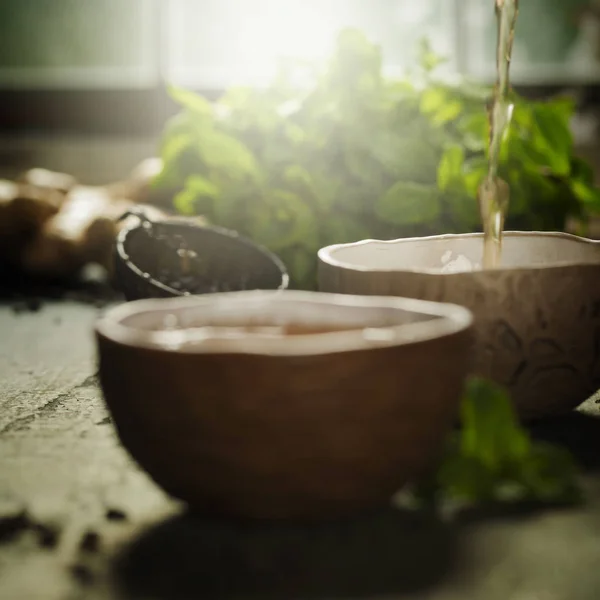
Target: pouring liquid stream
point(494, 192)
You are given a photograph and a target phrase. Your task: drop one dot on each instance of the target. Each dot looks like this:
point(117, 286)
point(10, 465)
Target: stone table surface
point(61, 460)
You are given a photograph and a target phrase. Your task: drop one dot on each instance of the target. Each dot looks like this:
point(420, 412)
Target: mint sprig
point(336, 152)
point(493, 459)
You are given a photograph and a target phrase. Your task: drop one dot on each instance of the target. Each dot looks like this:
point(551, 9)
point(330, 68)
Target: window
point(557, 41)
point(219, 42)
point(78, 43)
point(103, 63)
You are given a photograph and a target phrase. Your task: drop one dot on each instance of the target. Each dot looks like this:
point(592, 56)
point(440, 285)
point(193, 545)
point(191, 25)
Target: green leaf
point(283, 219)
point(237, 97)
point(298, 176)
point(202, 186)
point(315, 190)
point(355, 66)
point(466, 478)
point(408, 203)
point(433, 99)
point(464, 211)
point(185, 202)
point(177, 153)
point(428, 59)
point(362, 167)
point(343, 229)
point(195, 103)
point(492, 458)
point(538, 187)
point(550, 474)
point(179, 125)
point(490, 429)
point(522, 115)
point(450, 167)
point(404, 158)
point(352, 43)
point(226, 154)
point(519, 150)
point(327, 189)
point(418, 162)
point(441, 104)
point(563, 107)
point(197, 197)
point(582, 184)
point(174, 147)
point(474, 172)
point(294, 133)
point(582, 171)
point(449, 112)
point(553, 137)
point(476, 93)
point(302, 264)
point(474, 128)
point(588, 194)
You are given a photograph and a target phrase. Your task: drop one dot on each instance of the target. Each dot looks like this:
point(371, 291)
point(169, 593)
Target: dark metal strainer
point(177, 257)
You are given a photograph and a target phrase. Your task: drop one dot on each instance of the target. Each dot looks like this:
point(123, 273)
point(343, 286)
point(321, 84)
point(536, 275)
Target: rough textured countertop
point(61, 461)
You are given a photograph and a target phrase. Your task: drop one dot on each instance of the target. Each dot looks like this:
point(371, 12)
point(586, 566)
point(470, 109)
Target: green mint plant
point(337, 153)
point(492, 459)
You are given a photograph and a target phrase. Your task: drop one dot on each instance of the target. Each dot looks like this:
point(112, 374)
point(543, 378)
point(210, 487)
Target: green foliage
point(493, 459)
point(297, 167)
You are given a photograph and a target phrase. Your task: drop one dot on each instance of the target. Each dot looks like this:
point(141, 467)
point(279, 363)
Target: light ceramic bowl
point(311, 425)
point(537, 317)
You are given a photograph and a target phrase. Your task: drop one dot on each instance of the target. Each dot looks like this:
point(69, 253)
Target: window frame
point(129, 107)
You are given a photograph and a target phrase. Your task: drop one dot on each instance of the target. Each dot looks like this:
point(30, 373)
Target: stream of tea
point(494, 192)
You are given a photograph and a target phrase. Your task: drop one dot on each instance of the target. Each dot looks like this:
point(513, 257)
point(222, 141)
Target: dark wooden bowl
point(147, 264)
point(300, 426)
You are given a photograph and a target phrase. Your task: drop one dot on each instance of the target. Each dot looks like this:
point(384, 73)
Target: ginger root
point(51, 226)
point(78, 234)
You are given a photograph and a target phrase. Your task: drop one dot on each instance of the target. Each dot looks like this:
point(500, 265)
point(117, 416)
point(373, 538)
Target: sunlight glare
point(294, 29)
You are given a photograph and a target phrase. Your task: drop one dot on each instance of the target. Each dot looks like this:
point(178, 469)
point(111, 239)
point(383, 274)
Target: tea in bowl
point(537, 316)
point(283, 404)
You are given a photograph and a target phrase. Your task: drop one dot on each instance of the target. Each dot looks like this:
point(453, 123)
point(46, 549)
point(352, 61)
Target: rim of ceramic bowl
point(326, 254)
point(439, 320)
point(179, 221)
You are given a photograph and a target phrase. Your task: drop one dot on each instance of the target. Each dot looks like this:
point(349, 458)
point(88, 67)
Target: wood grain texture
point(285, 436)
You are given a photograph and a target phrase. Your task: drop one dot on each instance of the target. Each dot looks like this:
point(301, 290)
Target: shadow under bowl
point(537, 316)
point(147, 263)
point(331, 418)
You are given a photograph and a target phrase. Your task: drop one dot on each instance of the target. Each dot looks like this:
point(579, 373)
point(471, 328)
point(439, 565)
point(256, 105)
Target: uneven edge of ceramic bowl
point(360, 313)
point(326, 254)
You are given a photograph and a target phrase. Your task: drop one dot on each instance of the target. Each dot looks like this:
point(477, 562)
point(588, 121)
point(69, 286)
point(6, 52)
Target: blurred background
point(84, 92)
point(82, 81)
